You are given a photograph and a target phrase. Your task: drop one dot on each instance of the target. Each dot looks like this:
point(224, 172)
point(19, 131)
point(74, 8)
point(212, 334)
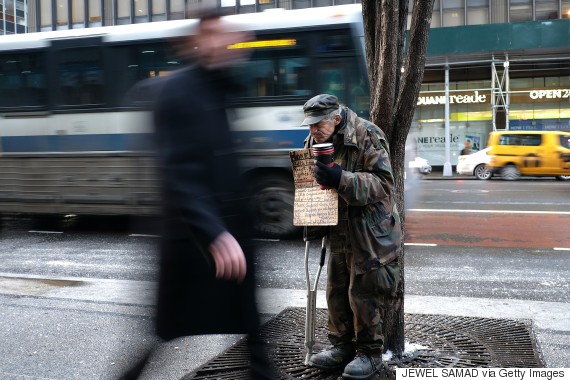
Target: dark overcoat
point(202, 196)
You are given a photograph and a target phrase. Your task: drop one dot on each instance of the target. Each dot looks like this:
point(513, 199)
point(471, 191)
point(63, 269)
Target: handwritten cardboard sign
point(313, 206)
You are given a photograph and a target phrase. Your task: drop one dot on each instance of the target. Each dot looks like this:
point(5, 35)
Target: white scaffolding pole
point(447, 171)
point(500, 92)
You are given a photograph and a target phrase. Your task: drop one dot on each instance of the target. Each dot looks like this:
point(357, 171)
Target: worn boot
point(363, 366)
point(333, 358)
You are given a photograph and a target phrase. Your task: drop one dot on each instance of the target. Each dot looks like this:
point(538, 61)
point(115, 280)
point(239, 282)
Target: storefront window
point(540, 103)
point(519, 83)
point(551, 82)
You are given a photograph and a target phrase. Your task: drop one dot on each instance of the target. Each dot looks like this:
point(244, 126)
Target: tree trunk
point(395, 80)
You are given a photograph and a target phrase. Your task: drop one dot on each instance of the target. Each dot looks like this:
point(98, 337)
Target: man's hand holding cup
point(327, 173)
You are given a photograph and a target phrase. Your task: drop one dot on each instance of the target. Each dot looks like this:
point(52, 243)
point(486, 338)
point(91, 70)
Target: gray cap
point(318, 107)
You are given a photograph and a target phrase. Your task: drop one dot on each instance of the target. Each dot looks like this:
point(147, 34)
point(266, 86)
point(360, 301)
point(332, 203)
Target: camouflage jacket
point(369, 224)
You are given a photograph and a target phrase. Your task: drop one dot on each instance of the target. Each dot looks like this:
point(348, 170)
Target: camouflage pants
point(356, 302)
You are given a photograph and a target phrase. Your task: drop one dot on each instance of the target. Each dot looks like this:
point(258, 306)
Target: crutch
point(312, 296)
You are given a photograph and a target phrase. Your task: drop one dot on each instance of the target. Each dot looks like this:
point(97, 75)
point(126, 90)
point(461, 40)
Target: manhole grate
point(459, 342)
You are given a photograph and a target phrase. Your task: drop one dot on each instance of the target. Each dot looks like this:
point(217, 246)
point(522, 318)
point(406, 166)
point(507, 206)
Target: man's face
point(324, 129)
point(212, 41)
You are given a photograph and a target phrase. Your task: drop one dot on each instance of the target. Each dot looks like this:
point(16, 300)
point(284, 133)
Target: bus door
point(80, 121)
point(343, 78)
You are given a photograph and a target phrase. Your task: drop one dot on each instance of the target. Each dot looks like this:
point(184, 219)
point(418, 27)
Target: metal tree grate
point(459, 342)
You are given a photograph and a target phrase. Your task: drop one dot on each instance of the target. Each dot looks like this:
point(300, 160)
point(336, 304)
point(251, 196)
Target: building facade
point(508, 70)
point(66, 14)
point(510, 76)
point(13, 16)
point(505, 63)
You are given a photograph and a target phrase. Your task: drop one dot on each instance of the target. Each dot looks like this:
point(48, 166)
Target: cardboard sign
point(313, 206)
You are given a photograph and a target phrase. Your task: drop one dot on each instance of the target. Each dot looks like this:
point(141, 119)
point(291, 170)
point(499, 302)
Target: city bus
point(76, 139)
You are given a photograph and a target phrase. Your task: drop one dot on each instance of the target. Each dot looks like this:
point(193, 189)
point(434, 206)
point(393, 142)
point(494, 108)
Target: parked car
point(535, 153)
point(475, 164)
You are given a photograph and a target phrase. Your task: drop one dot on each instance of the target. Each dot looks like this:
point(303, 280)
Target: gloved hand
point(328, 176)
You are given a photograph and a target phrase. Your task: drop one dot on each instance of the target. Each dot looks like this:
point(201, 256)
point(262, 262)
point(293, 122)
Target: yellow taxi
point(533, 153)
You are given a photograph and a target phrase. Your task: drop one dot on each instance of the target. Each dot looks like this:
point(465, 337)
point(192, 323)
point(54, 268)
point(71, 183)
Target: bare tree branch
point(403, 21)
point(370, 13)
point(382, 106)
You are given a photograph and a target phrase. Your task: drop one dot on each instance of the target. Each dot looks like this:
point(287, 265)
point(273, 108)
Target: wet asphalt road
point(541, 274)
point(464, 251)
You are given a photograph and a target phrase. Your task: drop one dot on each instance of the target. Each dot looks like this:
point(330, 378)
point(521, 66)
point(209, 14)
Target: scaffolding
point(500, 95)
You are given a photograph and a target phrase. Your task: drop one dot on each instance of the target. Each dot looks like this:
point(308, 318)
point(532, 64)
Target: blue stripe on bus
point(273, 139)
point(77, 143)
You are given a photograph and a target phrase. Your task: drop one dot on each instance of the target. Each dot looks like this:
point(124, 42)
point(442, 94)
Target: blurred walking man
point(206, 281)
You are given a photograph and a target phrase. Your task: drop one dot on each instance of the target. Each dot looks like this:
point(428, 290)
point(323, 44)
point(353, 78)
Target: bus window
point(22, 80)
point(134, 63)
point(80, 76)
point(358, 93)
point(336, 42)
point(256, 78)
point(278, 67)
point(332, 79)
point(153, 60)
point(294, 76)
point(342, 78)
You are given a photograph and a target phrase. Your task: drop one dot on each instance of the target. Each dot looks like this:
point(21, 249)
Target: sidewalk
point(549, 322)
point(182, 357)
point(178, 358)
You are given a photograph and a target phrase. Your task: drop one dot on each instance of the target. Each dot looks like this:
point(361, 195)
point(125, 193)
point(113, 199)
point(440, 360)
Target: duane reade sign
point(469, 98)
point(475, 97)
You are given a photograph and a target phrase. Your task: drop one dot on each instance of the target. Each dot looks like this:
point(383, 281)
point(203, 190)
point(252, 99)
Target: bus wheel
point(272, 206)
point(563, 177)
point(510, 173)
